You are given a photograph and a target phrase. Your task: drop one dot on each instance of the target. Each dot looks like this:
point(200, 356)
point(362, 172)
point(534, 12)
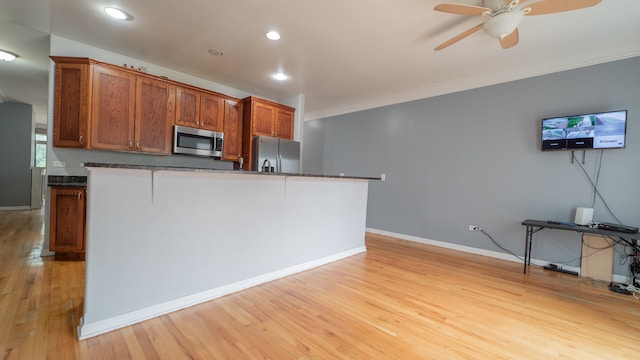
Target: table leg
point(527, 247)
point(530, 242)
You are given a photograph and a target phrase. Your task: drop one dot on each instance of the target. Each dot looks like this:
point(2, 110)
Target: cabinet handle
point(81, 140)
point(130, 145)
point(79, 195)
point(137, 146)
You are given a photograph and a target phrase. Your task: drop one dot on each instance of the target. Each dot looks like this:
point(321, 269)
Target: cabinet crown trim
point(257, 99)
point(89, 61)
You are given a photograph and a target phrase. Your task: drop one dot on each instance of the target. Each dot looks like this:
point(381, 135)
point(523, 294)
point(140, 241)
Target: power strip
point(554, 267)
point(619, 288)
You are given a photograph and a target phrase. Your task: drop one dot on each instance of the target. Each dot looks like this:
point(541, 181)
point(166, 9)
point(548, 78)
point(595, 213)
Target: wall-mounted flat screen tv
point(605, 130)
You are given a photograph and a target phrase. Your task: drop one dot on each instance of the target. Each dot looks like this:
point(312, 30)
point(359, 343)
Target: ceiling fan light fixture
point(504, 16)
point(502, 25)
point(7, 56)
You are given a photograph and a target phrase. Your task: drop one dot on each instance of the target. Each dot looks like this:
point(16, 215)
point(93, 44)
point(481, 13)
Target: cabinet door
point(67, 222)
point(112, 109)
point(153, 118)
point(70, 114)
point(187, 107)
point(263, 117)
point(284, 124)
point(211, 112)
point(232, 130)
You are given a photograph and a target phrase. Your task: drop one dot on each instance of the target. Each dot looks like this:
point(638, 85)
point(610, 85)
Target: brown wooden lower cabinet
point(67, 222)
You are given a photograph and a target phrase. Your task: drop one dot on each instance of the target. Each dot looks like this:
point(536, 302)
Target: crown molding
point(561, 62)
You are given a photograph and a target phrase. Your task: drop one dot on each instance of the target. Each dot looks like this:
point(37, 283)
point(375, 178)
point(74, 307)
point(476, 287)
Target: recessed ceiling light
point(7, 56)
point(117, 13)
point(280, 76)
point(273, 35)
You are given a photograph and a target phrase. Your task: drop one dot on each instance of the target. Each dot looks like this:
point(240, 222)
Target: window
point(41, 148)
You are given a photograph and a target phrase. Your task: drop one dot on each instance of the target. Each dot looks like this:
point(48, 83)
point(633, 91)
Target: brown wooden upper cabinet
point(102, 106)
point(212, 112)
point(268, 118)
point(187, 107)
point(71, 108)
point(265, 118)
point(130, 112)
point(154, 111)
point(199, 109)
point(112, 109)
point(232, 149)
point(109, 107)
point(283, 126)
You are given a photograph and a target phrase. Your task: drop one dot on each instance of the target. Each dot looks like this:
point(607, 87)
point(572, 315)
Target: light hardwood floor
point(400, 300)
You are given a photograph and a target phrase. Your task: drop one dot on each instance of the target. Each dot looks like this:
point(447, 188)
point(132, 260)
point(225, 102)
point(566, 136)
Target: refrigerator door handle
point(279, 163)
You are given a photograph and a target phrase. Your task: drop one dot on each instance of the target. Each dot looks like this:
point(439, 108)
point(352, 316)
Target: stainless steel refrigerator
point(282, 156)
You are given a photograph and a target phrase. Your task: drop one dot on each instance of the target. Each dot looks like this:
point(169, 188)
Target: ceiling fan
point(502, 17)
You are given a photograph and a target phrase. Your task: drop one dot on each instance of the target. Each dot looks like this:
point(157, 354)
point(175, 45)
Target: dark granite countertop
point(176, 168)
point(70, 181)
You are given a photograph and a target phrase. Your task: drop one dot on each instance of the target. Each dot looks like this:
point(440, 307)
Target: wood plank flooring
point(400, 300)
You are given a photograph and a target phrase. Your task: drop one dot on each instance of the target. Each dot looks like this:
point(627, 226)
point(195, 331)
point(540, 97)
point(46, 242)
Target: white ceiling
point(343, 55)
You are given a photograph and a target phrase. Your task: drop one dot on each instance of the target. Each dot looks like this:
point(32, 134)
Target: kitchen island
point(160, 239)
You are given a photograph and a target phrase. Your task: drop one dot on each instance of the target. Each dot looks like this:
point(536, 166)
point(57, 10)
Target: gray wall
point(16, 149)
point(473, 158)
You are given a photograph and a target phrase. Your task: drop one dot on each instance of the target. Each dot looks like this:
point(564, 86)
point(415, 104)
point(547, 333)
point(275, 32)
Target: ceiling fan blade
point(459, 37)
point(510, 40)
point(469, 10)
point(554, 6)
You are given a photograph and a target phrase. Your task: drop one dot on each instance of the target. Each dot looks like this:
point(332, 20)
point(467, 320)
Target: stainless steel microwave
point(200, 142)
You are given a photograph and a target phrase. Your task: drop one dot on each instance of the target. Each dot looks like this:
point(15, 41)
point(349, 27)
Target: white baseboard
point(44, 253)
point(483, 252)
point(87, 330)
point(3, 208)
point(442, 244)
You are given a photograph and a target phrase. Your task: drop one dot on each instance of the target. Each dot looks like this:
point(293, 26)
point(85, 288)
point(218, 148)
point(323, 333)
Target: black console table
point(533, 226)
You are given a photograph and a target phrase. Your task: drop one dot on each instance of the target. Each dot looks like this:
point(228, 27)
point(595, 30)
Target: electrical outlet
point(59, 163)
point(474, 228)
point(383, 177)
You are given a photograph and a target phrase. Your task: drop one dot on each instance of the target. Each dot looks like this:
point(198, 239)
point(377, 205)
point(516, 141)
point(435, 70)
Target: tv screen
point(605, 130)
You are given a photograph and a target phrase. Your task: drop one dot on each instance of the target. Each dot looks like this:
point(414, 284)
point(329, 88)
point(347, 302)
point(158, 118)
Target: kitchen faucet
point(266, 166)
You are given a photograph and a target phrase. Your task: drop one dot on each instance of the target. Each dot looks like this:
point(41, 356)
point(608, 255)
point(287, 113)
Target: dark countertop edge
point(240, 172)
point(62, 184)
point(67, 180)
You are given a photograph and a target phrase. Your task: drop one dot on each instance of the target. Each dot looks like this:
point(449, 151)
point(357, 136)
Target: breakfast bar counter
point(161, 239)
point(234, 172)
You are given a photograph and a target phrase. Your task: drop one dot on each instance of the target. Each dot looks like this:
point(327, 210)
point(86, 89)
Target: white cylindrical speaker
point(583, 216)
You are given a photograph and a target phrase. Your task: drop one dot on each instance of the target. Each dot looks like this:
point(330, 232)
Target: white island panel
point(159, 241)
